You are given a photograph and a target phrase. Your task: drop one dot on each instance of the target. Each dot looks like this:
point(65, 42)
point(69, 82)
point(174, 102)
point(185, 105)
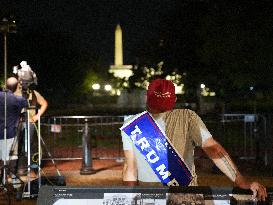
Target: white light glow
point(179, 89)
point(121, 71)
point(212, 94)
point(107, 87)
point(96, 86)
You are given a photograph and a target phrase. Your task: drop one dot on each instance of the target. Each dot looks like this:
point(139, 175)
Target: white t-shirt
point(145, 172)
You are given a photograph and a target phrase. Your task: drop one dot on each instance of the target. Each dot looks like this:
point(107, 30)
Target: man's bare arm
point(43, 106)
point(223, 161)
point(129, 168)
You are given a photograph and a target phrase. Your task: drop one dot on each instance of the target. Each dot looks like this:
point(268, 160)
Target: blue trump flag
point(157, 150)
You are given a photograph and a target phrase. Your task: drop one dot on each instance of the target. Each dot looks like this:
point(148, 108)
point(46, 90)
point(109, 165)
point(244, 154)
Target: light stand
point(5, 102)
point(27, 193)
point(39, 152)
point(5, 28)
point(27, 130)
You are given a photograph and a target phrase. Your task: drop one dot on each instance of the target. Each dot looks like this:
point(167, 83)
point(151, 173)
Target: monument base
point(135, 99)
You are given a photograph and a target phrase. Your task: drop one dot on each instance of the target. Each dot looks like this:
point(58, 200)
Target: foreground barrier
point(147, 196)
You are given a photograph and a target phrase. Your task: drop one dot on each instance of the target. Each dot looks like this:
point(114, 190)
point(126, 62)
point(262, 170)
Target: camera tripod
point(17, 181)
point(30, 187)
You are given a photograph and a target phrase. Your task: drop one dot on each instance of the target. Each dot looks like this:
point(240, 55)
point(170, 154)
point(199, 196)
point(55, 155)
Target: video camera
point(26, 76)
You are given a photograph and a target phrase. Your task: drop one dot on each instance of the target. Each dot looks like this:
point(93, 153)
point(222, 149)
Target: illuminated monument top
point(118, 69)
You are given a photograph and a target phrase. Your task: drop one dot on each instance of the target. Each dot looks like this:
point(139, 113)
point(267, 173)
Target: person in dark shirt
point(14, 105)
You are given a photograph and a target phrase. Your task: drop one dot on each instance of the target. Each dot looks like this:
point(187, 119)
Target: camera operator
point(14, 105)
point(35, 101)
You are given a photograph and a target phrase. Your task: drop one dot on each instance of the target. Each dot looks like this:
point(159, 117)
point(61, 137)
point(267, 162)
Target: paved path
point(109, 173)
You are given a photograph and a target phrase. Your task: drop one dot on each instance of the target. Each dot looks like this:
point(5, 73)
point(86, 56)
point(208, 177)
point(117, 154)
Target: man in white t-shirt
point(185, 130)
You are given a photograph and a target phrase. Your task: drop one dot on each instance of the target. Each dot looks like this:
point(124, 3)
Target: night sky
point(224, 44)
point(91, 23)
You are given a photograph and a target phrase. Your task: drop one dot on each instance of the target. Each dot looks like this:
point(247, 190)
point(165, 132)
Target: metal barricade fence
point(63, 136)
point(243, 136)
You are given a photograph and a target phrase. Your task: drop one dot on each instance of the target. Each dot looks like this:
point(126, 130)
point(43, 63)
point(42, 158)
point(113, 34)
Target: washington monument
point(118, 69)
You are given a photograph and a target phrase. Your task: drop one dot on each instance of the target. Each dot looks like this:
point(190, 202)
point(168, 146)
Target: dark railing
point(245, 136)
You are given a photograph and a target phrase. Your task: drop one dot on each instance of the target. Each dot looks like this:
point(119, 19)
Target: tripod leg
point(49, 154)
point(22, 159)
point(2, 174)
point(15, 179)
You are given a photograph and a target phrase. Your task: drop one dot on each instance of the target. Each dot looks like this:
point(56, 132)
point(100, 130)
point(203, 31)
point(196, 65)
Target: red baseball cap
point(161, 95)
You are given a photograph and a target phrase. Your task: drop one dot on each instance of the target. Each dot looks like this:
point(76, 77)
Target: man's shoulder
point(181, 111)
point(12, 98)
point(185, 115)
point(128, 118)
point(20, 99)
point(11, 95)
point(37, 94)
